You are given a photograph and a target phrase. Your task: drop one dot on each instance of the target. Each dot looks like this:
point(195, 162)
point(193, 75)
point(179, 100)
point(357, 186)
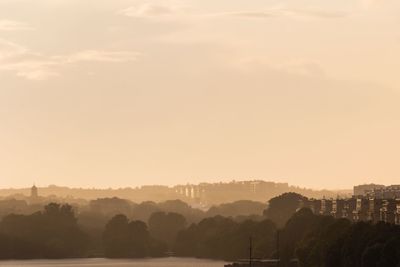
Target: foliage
point(53, 233)
point(237, 208)
point(128, 239)
point(315, 240)
point(165, 226)
point(338, 243)
point(282, 207)
point(223, 238)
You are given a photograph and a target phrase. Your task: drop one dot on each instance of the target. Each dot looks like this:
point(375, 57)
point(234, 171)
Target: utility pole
point(277, 249)
point(250, 251)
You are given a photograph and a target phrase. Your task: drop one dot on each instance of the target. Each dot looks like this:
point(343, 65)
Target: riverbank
point(102, 262)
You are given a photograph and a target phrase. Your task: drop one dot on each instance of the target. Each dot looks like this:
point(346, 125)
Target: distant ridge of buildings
point(203, 193)
point(377, 191)
point(357, 208)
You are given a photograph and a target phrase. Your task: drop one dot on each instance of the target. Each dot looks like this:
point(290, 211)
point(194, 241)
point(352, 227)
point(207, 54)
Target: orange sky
point(100, 93)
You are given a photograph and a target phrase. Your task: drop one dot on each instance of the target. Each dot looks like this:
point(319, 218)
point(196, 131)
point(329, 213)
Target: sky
point(122, 93)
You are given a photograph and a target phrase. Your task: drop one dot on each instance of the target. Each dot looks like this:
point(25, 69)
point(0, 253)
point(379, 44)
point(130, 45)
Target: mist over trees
point(174, 228)
point(324, 241)
point(147, 229)
point(166, 226)
point(129, 239)
point(52, 233)
point(210, 193)
point(282, 207)
point(223, 238)
point(237, 208)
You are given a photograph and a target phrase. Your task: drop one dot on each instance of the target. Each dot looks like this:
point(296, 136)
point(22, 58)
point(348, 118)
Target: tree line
point(52, 233)
point(111, 229)
point(314, 240)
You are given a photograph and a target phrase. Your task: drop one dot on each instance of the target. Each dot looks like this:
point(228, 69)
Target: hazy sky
point(123, 93)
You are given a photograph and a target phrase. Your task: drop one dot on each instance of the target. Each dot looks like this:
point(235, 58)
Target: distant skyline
point(123, 93)
point(211, 181)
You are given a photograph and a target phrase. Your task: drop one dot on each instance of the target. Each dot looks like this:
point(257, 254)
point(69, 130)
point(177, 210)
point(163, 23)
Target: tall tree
point(282, 207)
point(124, 239)
point(165, 226)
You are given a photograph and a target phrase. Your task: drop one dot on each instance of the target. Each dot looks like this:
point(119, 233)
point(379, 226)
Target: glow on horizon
point(128, 92)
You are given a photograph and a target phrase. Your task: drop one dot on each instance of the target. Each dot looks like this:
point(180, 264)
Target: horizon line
point(187, 184)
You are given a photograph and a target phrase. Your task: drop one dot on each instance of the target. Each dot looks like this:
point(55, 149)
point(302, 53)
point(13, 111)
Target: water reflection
point(164, 262)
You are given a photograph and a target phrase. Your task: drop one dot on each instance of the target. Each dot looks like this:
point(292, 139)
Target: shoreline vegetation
point(58, 232)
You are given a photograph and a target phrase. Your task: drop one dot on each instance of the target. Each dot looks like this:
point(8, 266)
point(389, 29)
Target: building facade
point(358, 209)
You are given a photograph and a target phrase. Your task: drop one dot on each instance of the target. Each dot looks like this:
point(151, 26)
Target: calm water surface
point(165, 262)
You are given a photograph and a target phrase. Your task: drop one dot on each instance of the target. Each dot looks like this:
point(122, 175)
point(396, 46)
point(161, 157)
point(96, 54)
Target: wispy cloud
point(377, 4)
point(12, 25)
point(172, 11)
point(99, 56)
point(36, 73)
point(35, 66)
point(250, 14)
point(9, 49)
point(149, 10)
point(315, 13)
point(369, 3)
point(302, 67)
point(298, 67)
point(286, 12)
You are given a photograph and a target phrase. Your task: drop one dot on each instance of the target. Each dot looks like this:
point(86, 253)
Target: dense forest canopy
point(174, 228)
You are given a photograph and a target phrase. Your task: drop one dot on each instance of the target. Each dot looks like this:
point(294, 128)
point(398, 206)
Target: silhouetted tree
point(93, 224)
point(111, 206)
point(390, 251)
point(191, 214)
point(237, 208)
point(372, 255)
point(282, 207)
point(223, 238)
point(316, 247)
point(165, 226)
point(338, 243)
point(125, 239)
point(117, 242)
point(295, 230)
point(144, 210)
point(53, 233)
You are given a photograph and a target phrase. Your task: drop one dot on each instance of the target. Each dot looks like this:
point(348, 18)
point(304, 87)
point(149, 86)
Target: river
point(162, 262)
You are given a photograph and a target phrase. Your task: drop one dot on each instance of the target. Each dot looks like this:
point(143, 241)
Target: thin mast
point(277, 248)
point(250, 251)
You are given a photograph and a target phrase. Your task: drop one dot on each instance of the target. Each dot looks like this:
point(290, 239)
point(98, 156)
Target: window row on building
point(358, 209)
